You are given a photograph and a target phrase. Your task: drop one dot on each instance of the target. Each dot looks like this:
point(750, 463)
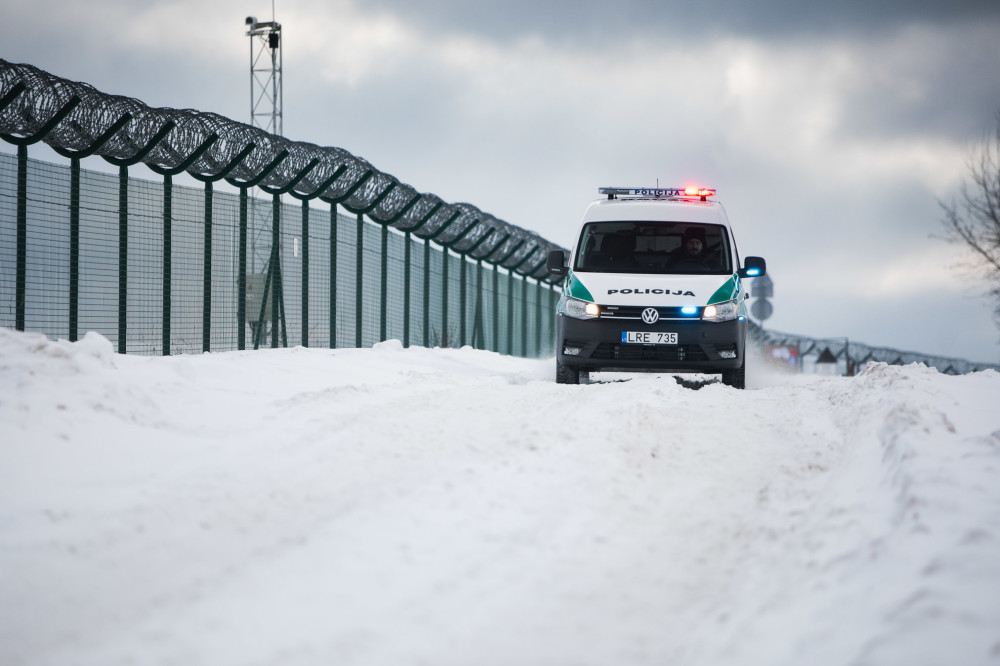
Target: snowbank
point(391, 506)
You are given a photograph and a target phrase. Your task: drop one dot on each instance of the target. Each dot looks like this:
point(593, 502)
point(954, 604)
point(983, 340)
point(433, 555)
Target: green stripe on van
point(726, 292)
point(577, 290)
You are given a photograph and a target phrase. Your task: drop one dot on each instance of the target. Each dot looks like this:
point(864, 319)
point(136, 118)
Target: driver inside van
point(694, 244)
point(693, 252)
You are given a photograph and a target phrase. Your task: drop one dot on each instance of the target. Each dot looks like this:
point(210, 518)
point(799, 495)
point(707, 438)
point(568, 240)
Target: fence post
point(206, 308)
point(333, 276)
point(276, 296)
point(524, 316)
point(478, 334)
point(496, 309)
point(360, 272)
point(122, 257)
point(74, 248)
point(168, 192)
point(406, 289)
point(22, 237)
point(445, 342)
point(241, 278)
point(427, 291)
point(384, 288)
point(538, 319)
point(510, 313)
point(461, 300)
point(305, 272)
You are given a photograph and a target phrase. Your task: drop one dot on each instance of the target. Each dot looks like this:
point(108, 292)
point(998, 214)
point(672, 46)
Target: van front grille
point(611, 351)
point(635, 312)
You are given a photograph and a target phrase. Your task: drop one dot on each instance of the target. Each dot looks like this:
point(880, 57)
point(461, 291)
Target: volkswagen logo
point(650, 315)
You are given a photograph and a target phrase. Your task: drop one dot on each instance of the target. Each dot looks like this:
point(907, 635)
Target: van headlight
point(574, 307)
point(721, 311)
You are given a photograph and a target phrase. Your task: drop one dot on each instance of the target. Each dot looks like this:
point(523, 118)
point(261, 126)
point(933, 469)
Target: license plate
point(649, 337)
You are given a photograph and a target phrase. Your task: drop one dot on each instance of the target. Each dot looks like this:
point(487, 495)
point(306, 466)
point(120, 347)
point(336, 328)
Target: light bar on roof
point(701, 192)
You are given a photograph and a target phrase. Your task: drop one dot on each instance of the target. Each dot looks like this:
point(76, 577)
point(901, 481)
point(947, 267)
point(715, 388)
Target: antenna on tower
point(266, 96)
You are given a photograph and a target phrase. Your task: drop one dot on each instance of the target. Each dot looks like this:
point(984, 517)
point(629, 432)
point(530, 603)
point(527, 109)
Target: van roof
point(656, 210)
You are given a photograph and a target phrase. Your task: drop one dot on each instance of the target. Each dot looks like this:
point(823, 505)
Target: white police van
point(653, 284)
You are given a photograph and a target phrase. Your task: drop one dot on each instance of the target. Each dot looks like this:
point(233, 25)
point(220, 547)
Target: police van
point(654, 283)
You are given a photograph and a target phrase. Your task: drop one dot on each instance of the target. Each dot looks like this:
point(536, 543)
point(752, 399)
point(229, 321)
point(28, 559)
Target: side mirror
point(753, 267)
point(556, 263)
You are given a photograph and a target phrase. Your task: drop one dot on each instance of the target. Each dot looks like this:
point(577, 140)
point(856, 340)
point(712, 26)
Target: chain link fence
point(165, 276)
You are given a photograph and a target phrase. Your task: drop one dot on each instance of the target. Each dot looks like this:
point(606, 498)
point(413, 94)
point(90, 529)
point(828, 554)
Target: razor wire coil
point(77, 120)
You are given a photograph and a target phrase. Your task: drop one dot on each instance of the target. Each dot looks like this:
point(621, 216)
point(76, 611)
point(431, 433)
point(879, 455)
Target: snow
point(413, 506)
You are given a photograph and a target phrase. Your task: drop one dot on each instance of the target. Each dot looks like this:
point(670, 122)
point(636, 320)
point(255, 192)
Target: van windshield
point(668, 248)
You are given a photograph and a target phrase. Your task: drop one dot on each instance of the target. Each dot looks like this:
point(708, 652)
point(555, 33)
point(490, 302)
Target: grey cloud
point(582, 20)
point(921, 63)
point(931, 87)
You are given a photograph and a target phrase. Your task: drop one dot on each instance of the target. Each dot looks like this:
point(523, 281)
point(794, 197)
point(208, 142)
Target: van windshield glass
point(668, 248)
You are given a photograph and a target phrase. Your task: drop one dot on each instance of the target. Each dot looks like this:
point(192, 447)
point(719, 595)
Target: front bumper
point(700, 345)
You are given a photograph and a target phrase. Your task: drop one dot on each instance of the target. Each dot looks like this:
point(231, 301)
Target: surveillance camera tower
point(266, 103)
point(266, 97)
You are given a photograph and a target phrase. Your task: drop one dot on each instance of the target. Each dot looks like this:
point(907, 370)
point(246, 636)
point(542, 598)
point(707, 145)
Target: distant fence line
point(161, 267)
point(854, 355)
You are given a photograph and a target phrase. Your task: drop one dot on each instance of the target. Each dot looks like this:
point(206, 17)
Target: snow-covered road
point(388, 506)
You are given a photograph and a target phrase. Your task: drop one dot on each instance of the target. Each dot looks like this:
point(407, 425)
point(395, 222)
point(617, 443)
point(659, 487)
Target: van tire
point(736, 378)
point(567, 375)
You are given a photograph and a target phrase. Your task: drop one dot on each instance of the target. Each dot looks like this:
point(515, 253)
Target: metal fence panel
point(164, 278)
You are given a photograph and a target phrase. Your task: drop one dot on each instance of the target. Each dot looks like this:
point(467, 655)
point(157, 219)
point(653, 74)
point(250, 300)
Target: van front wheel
point(736, 378)
point(567, 375)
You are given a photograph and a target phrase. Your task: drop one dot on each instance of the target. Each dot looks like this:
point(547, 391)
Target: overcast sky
point(830, 130)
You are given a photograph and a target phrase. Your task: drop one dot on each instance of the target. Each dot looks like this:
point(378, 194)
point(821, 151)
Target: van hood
point(657, 290)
